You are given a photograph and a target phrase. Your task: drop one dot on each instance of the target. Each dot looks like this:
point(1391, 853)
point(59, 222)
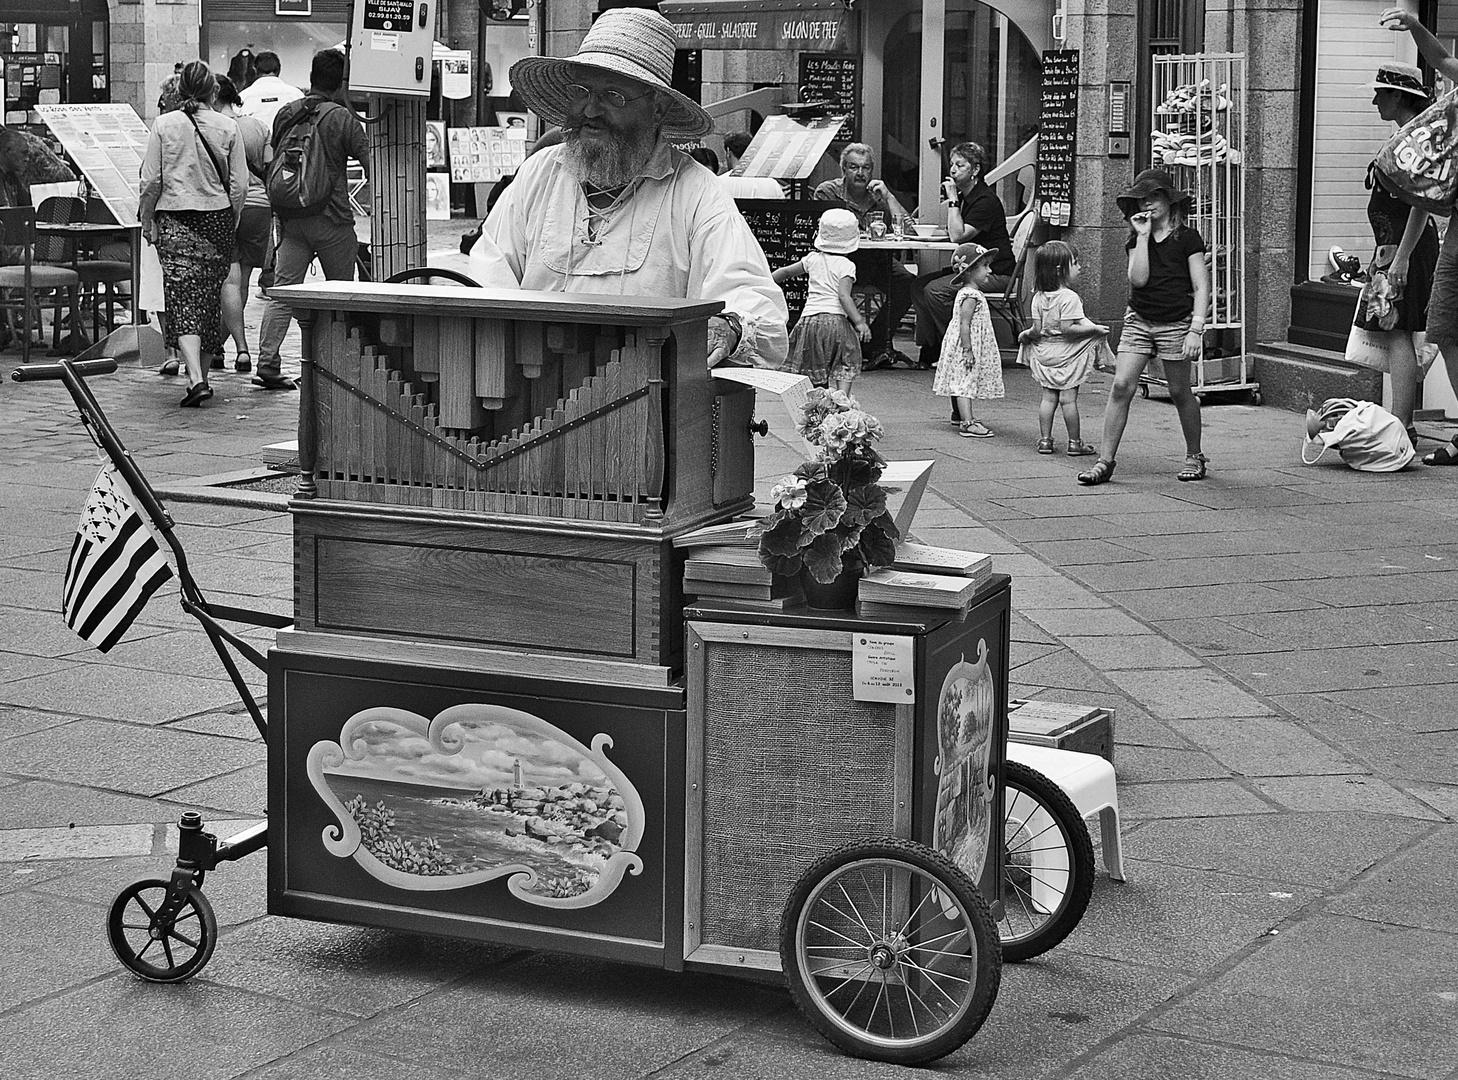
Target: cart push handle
point(84, 368)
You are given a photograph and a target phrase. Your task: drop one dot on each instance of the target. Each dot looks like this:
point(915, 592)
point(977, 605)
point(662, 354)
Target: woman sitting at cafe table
point(974, 212)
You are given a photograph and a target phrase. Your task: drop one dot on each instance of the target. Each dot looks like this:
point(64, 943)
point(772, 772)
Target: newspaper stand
point(484, 721)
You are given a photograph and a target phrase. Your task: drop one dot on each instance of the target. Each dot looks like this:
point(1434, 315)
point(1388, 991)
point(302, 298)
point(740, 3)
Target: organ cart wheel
point(155, 945)
point(1048, 870)
point(890, 951)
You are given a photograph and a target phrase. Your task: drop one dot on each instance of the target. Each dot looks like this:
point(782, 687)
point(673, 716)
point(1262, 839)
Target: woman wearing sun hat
point(616, 208)
point(1407, 247)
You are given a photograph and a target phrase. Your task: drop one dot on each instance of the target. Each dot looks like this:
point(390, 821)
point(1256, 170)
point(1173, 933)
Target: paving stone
point(1164, 573)
point(120, 693)
point(1329, 669)
point(1325, 850)
point(1054, 592)
point(68, 1037)
point(62, 947)
point(337, 1063)
point(1065, 670)
point(1076, 622)
point(1363, 792)
point(554, 1017)
point(41, 804)
point(1414, 888)
point(1337, 990)
point(1081, 551)
point(1148, 917)
point(1146, 764)
point(1192, 692)
point(1188, 799)
point(1122, 652)
point(138, 760)
point(244, 792)
point(1264, 745)
point(17, 721)
point(1236, 598)
point(1149, 1055)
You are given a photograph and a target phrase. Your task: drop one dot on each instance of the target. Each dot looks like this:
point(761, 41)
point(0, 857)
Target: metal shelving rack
point(1198, 132)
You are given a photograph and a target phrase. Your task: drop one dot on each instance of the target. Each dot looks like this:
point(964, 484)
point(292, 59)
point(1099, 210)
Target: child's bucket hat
point(840, 233)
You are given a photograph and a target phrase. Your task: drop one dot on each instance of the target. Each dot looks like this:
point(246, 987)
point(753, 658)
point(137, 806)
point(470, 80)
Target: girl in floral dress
point(970, 366)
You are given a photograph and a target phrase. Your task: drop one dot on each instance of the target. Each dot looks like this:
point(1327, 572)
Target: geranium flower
point(789, 493)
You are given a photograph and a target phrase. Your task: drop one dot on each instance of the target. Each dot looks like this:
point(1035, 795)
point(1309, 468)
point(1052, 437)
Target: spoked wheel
point(890, 951)
point(1047, 875)
point(154, 947)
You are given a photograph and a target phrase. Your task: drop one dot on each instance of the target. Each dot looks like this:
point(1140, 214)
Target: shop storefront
point(294, 29)
point(53, 54)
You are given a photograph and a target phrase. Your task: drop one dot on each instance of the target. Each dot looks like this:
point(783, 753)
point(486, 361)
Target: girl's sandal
point(1045, 446)
point(1447, 454)
point(1194, 467)
point(1079, 448)
point(1101, 473)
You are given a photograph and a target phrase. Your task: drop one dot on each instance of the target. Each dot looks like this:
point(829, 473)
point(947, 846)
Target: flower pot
point(837, 595)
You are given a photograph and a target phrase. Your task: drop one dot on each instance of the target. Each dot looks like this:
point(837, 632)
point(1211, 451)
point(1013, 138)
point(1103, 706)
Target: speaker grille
point(783, 720)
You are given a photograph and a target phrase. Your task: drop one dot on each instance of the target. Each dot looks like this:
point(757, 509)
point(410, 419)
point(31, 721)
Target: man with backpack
point(312, 140)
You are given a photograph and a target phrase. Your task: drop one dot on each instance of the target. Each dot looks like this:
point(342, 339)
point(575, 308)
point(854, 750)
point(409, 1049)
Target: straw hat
point(1146, 184)
point(633, 42)
point(1404, 77)
point(840, 233)
point(966, 257)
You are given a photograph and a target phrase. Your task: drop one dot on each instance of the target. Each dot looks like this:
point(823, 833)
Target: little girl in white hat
point(826, 343)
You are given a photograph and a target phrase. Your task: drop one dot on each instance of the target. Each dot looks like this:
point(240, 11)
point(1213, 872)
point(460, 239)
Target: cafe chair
point(1011, 302)
point(39, 284)
point(103, 267)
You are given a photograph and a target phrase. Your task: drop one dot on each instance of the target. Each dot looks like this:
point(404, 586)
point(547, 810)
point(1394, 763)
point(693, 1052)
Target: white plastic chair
point(1088, 780)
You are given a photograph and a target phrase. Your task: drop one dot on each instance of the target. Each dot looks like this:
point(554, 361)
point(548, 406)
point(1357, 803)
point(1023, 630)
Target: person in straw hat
point(616, 208)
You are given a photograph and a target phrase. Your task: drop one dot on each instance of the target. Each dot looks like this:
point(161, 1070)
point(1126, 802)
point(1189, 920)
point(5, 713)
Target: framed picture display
point(435, 144)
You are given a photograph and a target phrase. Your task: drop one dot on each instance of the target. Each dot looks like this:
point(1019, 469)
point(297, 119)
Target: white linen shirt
point(265, 96)
point(678, 234)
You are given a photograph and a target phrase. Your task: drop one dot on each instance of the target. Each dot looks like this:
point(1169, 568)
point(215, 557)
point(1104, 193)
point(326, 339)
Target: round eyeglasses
point(578, 94)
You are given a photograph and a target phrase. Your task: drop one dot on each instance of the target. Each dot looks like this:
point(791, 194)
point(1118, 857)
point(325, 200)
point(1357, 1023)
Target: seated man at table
point(858, 193)
point(616, 208)
point(746, 187)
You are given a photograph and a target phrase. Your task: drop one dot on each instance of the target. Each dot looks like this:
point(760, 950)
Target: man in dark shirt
point(858, 193)
point(329, 235)
point(974, 212)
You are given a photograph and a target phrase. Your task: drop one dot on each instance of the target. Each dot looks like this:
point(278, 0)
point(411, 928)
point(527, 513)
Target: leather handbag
point(1416, 165)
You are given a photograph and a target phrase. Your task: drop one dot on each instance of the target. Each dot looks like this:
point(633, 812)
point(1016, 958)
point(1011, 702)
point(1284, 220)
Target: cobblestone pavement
point(1278, 643)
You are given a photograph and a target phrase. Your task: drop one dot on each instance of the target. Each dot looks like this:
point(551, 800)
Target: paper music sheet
point(911, 477)
point(793, 389)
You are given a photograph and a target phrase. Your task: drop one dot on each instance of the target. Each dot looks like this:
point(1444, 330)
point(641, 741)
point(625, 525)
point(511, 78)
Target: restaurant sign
point(703, 26)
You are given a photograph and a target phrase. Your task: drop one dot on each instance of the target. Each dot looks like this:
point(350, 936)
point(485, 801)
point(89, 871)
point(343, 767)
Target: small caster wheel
point(153, 946)
point(890, 951)
point(1144, 391)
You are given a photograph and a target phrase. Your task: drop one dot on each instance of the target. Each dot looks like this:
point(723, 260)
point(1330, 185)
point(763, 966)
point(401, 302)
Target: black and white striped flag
point(116, 564)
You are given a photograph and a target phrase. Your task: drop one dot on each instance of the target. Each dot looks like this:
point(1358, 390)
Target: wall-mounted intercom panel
point(390, 47)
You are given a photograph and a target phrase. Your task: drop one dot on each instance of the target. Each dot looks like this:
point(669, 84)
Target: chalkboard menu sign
point(836, 79)
point(1057, 127)
point(786, 230)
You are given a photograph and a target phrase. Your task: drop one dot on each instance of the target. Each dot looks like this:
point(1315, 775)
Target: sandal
point(1079, 448)
point(1447, 454)
point(169, 367)
point(1045, 446)
point(1101, 473)
point(1194, 467)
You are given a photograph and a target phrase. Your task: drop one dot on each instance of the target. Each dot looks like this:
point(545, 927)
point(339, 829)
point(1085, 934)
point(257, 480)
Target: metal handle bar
point(84, 368)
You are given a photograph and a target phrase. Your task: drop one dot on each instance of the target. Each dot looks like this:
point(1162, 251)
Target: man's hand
point(879, 189)
point(723, 340)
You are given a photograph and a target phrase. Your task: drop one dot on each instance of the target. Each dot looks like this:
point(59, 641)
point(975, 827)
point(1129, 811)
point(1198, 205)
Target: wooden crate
point(1084, 729)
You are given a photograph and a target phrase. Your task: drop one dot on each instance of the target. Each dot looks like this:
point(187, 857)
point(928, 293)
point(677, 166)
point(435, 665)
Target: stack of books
point(924, 576)
point(734, 572)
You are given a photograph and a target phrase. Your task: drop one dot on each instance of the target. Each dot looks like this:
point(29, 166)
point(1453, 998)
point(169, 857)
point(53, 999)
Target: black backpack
point(299, 182)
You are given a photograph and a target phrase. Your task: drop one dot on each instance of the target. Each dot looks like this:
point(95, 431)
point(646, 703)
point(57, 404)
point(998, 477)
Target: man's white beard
point(608, 162)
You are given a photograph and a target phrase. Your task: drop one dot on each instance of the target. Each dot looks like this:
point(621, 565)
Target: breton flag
point(116, 564)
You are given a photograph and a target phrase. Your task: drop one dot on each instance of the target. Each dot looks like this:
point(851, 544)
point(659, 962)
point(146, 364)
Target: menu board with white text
point(106, 141)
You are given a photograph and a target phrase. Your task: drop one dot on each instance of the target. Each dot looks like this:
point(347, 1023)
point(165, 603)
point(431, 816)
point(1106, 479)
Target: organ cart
point(493, 715)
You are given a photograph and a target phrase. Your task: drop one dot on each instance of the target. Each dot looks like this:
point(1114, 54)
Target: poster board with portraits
point(483, 154)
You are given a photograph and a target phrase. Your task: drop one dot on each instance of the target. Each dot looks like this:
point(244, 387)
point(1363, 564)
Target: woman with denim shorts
point(1169, 296)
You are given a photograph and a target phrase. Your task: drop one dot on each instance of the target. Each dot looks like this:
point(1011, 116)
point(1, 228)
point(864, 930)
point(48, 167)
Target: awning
point(807, 25)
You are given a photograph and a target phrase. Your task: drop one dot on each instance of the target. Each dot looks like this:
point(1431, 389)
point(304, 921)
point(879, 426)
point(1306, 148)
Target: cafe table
point(90, 235)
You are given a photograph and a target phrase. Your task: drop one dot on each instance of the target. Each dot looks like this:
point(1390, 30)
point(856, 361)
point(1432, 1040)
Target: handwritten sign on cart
point(882, 668)
point(837, 80)
point(1057, 127)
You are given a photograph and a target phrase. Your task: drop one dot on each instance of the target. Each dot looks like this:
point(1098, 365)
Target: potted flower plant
point(830, 520)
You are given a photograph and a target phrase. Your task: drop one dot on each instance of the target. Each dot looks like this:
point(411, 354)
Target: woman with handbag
point(1393, 306)
point(193, 181)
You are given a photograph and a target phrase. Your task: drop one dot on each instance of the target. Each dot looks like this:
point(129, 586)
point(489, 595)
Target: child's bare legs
point(964, 409)
point(843, 384)
point(1127, 369)
point(1046, 408)
point(1177, 378)
point(1070, 414)
point(1404, 365)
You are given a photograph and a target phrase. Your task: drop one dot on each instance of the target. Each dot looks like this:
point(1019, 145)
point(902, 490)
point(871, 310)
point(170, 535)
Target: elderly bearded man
point(615, 208)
